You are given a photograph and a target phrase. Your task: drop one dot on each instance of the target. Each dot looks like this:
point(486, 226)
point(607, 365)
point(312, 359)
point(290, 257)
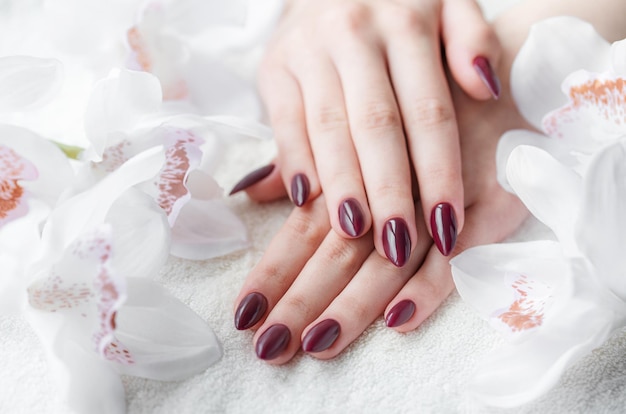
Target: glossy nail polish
point(487, 75)
point(250, 310)
point(300, 189)
point(351, 217)
point(273, 342)
point(252, 178)
point(321, 336)
point(400, 313)
point(443, 227)
point(396, 241)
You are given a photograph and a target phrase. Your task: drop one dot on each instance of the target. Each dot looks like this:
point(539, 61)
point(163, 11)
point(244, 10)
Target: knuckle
point(377, 116)
point(430, 112)
point(304, 227)
point(330, 119)
point(391, 189)
point(407, 20)
point(350, 17)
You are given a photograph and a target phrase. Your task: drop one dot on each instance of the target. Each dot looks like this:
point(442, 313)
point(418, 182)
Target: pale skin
point(356, 92)
point(329, 277)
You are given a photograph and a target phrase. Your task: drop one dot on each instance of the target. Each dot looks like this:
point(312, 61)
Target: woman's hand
point(315, 289)
point(356, 91)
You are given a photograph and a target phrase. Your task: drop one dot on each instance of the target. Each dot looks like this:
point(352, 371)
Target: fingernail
point(300, 189)
point(443, 227)
point(351, 217)
point(487, 75)
point(321, 336)
point(400, 313)
point(250, 310)
point(273, 342)
point(396, 241)
point(252, 178)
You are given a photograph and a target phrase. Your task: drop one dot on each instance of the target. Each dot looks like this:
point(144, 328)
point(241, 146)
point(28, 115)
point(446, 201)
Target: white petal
point(554, 48)
point(166, 339)
point(192, 16)
point(522, 372)
point(594, 115)
point(54, 172)
point(206, 229)
point(217, 89)
point(27, 82)
point(501, 281)
point(141, 233)
point(550, 191)
point(87, 209)
point(601, 228)
point(618, 58)
point(512, 139)
point(85, 382)
point(118, 103)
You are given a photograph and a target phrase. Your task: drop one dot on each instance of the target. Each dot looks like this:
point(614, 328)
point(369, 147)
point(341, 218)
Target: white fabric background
point(426, 371)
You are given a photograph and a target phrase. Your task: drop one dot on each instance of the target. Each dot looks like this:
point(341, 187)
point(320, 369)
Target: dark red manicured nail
point(351, 217)
point(443, 226)
point(321, 336)
point(487, 75)
point(250, 310)
point(252, 178)
point(273, 342)
point(400, 313)
point(396, 241)
point(300, 189)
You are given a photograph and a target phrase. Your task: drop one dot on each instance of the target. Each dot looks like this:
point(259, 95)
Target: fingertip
point(353, 221)
point(472, 50)
point(268, 188)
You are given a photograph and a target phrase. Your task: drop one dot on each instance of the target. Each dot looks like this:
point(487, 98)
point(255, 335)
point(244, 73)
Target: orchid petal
point(519, 373)
point(554, 48)
point(593, 116)
point(27, 82)
point(549, 190)
point(217, 89)
point(141, 233)
point(167, 340)
point(511, 285)
point(601, 227)
point(54, 173)
point(514, 138)
point(206, 229)
point(618, 58)
point(117, 104)
point(86, 209)
point(193, 16)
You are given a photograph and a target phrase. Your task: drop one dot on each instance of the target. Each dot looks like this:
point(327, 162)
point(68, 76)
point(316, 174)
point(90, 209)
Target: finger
point(379, 140)
point(283, 99)
point(488, 221)
point(281, 263)
point(472, 48)
point(323, 277)
point(361, 302)
point(335, 157)
point(263, 184)
point(427, 110)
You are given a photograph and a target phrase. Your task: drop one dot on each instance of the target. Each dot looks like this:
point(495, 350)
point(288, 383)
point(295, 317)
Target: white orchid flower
point(33, 176)
point(91, 299)
point(569, 83)
point(555, 300)
point(124, 117)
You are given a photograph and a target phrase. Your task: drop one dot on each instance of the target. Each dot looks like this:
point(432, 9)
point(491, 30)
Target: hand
point(345, 80)
point(315, 288)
